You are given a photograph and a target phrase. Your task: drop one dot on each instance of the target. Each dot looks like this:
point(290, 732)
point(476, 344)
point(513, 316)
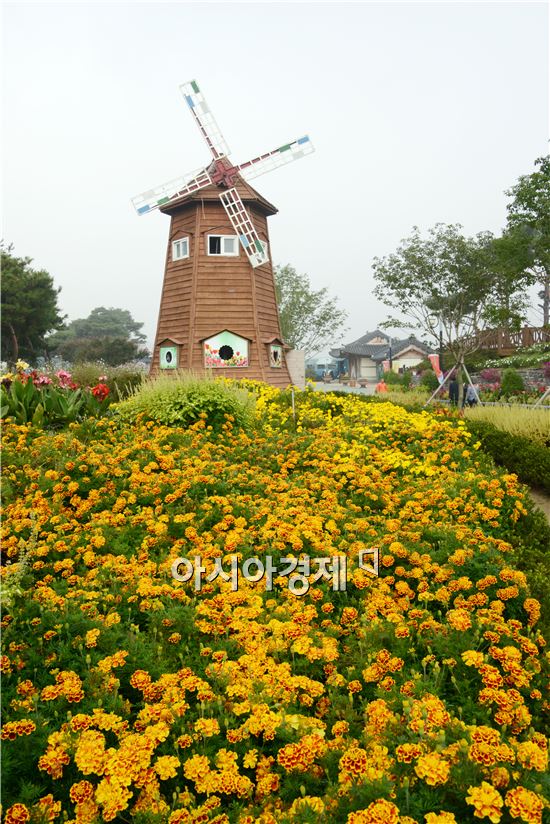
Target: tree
point(454, 280)
point(108, 323)
point(310, 320)
point(509, 259)
point(529, 219)
point(109, 335)
point(29, 307)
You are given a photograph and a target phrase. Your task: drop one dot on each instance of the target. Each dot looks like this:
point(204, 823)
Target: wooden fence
point(504, 342)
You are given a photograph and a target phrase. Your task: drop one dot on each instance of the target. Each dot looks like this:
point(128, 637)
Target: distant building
point(319, 365)
point(363, 359)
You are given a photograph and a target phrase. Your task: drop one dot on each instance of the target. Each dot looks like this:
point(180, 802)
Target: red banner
point(434, 360)
point(386, 365)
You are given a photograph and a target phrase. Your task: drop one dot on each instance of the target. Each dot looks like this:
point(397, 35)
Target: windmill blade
point(278, 157)
point(205, 119)
point(178, 187)
point(240, 219)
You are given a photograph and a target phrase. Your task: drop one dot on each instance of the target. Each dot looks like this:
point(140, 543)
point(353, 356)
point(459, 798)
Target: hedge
point(530, 461)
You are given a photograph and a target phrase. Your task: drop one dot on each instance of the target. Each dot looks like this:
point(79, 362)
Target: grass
point(533, 424)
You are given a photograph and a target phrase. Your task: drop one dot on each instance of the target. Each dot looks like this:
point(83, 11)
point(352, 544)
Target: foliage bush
point(121, 380)
point(393, 378)
point(474, 361)
point(512, 382)
point(529, 460)
point(407, 379)
point(490, 375)
point(429, 380)
point(183, 400)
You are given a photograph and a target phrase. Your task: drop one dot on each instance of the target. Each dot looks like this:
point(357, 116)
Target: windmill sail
point(240, 219)
point(180, 186)
point(205, 119)
point(278, 157)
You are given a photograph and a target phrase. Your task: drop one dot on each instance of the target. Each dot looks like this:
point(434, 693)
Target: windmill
point(218, 307)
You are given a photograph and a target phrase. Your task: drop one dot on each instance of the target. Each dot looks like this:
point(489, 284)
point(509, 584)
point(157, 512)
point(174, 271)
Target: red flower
point(100, 391)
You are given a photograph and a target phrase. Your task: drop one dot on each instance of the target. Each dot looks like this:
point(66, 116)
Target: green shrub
point(393, 378)
point(512, 382)
point(121, 380)
point(429, 380)
point(182, 400)
point(529, 460)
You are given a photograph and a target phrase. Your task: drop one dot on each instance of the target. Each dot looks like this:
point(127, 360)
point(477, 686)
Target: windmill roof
point(212, 192)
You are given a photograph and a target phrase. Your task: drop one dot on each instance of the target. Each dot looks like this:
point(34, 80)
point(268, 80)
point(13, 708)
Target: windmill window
point(225, 245)
point(180, 248)
point(226, 352)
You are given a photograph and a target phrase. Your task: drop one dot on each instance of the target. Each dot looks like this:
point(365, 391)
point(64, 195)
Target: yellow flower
point(167, 766)
point(472, 658)
point(532, 757)
point(207, 727)
point(487, 802)
point(459, 619)
point(250, 759)
point(433, 769)
point(91, 637)
point(307, 803)
point(379, 812)
point(525, 804)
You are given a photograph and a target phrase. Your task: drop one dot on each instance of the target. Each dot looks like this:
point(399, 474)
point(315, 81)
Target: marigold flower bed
point(414, 696)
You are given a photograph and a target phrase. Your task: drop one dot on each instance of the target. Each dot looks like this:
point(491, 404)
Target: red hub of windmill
point(223, 173)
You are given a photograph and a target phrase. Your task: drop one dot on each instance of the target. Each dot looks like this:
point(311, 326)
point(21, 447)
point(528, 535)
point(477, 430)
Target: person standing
point(470, 395)
point(453, 390)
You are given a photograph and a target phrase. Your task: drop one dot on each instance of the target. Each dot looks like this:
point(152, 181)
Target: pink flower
point(42, 380)
point(64, 378)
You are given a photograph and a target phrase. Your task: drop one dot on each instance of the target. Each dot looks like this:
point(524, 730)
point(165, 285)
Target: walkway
point(542, 500)
point(342, 387)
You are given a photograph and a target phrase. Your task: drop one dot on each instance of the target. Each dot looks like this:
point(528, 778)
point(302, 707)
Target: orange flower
point(525, 804)
point(18, 814)
point(379, 812)
point(82, 791)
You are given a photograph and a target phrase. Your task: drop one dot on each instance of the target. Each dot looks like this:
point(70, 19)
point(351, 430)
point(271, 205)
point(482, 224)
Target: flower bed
point(28, 396)
point(412, 696)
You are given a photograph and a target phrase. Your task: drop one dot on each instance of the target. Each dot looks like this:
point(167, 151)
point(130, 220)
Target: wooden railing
point(505, 342)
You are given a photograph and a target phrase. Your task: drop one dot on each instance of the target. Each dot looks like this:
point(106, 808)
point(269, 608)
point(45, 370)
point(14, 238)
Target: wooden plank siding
point(205, 294)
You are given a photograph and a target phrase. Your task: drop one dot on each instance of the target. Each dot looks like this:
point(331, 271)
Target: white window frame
point(222, 253)
point(265, 245)
point(175, 256)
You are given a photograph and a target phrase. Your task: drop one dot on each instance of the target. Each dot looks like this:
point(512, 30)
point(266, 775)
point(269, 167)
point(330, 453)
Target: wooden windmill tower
point(218, 308)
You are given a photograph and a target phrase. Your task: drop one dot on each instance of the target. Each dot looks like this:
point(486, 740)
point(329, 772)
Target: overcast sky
point(419, 112)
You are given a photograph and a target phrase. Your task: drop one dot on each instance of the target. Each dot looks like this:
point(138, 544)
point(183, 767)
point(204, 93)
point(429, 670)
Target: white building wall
point(296, 362)
point(409, 361)
point(368, 369)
